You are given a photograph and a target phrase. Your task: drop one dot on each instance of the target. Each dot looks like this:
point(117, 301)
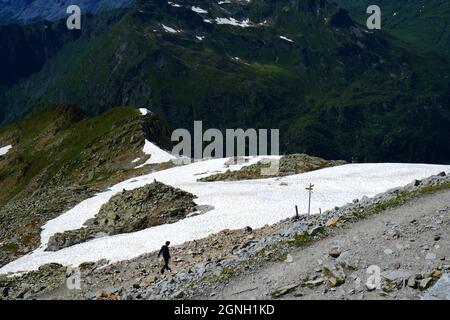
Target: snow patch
point(237, 204)
point(5, 150)
point(233, 22)
point(144, 111)
point(198, 10)
point(287, 39)
point(174, 4)
point(169, 29)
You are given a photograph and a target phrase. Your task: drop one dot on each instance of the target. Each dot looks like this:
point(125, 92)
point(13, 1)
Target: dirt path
point(412, 240)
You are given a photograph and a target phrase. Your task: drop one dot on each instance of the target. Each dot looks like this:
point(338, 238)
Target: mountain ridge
point(60, 156)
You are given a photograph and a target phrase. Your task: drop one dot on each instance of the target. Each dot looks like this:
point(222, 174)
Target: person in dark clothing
point(166, 255)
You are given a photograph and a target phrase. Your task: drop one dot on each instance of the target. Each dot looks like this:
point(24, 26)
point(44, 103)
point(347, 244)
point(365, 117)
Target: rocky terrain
point(60, 157)
point(21, 220)
point(399, 254)
point(403, 232)
point(152, 205)
point(288, 165)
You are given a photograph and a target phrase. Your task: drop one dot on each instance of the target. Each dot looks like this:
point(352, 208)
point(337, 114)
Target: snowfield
point(253, 203)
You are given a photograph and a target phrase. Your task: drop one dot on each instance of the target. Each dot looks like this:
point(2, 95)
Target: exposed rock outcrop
point(152, 205)
point(288, 165)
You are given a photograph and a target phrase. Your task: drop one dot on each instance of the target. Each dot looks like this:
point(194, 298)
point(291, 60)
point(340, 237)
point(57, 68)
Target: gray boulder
point(440, 291)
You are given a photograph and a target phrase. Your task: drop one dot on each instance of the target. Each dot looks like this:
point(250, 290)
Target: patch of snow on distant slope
point(5, 150)
point(169, 29)
point(237, 204)
point(157, 155)
point(144, 111)
point(198, 10)
point(287, 39)
point(174, 4)
point(233, 22)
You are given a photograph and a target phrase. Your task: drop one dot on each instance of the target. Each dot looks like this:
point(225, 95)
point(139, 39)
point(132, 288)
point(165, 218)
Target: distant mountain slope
point(424, 24)
point(24, 50)
point(335, 89)
point(25, 11)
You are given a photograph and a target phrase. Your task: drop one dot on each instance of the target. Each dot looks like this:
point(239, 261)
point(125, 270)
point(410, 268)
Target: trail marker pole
point(310, 190)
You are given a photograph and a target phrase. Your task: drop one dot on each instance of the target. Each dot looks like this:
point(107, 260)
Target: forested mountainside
point(423, 24)
point(334, 88)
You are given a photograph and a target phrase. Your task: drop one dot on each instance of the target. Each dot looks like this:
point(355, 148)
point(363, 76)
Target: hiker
point(166, 255)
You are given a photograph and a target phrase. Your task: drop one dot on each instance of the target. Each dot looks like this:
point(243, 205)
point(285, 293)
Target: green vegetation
point(422, 24)
point(10, 247)
point(300, 239)
point(61, 146)
point(227, 272)
point(337, 92)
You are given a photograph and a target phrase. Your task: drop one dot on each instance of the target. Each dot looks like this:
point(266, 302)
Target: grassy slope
point(61, 146)
point(60, 157)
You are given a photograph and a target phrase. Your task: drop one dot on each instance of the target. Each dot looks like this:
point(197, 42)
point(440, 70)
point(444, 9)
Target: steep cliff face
point(26, 11)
